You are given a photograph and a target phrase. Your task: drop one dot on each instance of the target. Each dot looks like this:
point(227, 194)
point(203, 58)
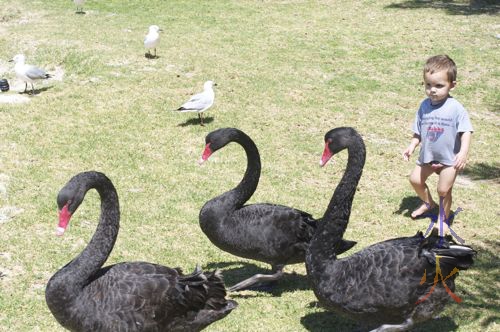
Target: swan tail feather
point(344, 246)
point(206, 292)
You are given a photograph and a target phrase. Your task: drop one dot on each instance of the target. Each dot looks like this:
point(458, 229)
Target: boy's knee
point(443, 192)
point(415, 180)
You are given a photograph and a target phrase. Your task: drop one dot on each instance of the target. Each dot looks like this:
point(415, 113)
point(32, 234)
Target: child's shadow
point(407, 205)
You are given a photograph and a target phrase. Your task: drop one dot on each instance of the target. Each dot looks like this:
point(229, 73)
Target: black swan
point(386, 283)
point(274, 234)
point(136, 296)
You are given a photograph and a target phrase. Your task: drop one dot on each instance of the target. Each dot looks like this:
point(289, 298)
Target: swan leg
point(259, 278)
point(395, 328)
point(200, 116)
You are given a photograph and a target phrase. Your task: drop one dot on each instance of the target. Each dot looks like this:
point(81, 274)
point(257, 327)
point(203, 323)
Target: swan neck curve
point(66, 284)
point(336, 217)
point(248, 184)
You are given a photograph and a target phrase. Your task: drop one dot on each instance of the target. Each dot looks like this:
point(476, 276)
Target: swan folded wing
point(271, 220)
point(146, 296)
point(383, 275)
point(132, 293)
point(141, 294)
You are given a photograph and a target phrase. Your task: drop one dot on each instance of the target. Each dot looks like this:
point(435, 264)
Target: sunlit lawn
point(287, 71)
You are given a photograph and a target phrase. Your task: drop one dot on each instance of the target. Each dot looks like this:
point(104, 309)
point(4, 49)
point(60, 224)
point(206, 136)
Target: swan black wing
point(149, 297)
point(271, 233)
point(383, 283)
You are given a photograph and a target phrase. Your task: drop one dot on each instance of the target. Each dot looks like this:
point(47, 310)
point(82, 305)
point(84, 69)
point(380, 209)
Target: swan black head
point(71, 196)
point(219, 138)
point(337, 140)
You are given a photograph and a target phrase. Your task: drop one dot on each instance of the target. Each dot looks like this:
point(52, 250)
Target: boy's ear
point(453, 84)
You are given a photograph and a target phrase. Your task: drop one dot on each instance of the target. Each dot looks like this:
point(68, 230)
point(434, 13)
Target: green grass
point(287, 71)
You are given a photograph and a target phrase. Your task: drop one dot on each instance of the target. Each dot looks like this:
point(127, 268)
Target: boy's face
point(437, 86)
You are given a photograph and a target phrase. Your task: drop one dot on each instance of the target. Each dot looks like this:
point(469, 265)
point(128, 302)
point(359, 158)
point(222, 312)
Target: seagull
point(28, 73)
point(152, 39)
point(200, 102)
point(79, 6)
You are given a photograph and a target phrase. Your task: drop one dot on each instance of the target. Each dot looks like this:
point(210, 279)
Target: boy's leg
point(417, 179)
point(446, 180)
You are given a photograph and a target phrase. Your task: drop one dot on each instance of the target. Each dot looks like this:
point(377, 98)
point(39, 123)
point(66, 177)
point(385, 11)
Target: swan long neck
point(248, 184)
point(81, 269)
point(100, 246)
point(336, 217)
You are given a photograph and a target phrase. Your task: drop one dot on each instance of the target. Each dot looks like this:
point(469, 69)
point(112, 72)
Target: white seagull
point(200, 102)
point(79, 6)
point(152, 39)
point(28, 73)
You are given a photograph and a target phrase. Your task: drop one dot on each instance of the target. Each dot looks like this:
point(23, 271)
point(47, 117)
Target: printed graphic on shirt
point(433, 133)
point(435, 126)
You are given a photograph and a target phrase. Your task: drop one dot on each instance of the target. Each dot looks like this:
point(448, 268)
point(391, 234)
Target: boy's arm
point(461, 157)
point(415, 141)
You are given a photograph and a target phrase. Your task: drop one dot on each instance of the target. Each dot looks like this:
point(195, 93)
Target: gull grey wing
point(197, 102)
point(34, 73)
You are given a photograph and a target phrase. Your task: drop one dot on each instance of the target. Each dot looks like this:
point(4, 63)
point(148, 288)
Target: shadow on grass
point(235, 272)
point(151, 56)
point(473, 7)
point(483, 171)
point(407, 205)
point(329, 321)
point(37, 91)
point(481, 282)
point(195, 121)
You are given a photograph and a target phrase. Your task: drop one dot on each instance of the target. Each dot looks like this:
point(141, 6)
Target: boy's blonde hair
point(441, 62)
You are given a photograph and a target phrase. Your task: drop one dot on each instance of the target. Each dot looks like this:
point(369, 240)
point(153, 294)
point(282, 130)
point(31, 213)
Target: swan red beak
point(327, 154)
point(64, 217)
point(206, 154)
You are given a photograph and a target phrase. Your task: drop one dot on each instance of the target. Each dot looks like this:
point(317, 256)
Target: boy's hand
point(407, 153)
point(460, 161)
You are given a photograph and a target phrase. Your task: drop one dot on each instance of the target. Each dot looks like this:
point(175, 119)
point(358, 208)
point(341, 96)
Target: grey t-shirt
point(439, 127)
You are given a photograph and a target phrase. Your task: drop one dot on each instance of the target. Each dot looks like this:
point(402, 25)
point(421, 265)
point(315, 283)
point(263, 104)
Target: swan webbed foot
point(258, 279)
point(395, 328)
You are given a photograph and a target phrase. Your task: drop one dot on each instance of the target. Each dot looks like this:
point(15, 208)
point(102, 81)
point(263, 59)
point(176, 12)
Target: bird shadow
point(80, 12)
point(37, 91)
point(329, 321)
point(151, 56)
point(196, 121)
point(235, 272)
